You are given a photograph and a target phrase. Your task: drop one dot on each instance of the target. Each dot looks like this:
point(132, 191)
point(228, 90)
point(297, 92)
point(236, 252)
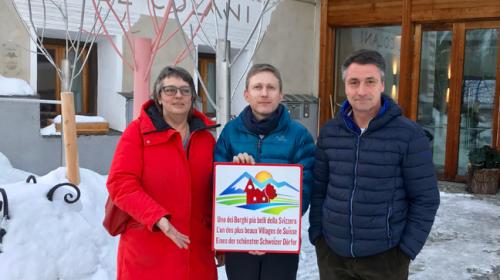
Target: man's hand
point(181, 240)
point(244, 158)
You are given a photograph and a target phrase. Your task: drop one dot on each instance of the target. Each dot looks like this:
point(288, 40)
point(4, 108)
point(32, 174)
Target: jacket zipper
point(389, 233)
point(352, 195)
point(259, 147)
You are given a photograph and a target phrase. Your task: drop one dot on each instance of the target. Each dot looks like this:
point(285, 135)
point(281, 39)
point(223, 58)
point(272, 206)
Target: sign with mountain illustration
point(257, 207)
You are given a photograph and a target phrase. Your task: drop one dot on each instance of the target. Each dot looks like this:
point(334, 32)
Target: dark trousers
point(392, 264)
point(244, 266)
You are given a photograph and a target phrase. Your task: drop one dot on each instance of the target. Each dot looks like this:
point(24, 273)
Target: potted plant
point(483, 170)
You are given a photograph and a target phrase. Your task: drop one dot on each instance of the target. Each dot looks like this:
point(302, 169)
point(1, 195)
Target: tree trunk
point(69, 137)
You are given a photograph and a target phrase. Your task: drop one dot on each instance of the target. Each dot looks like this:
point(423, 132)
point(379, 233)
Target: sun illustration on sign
point(260, 193)
point(263, 176)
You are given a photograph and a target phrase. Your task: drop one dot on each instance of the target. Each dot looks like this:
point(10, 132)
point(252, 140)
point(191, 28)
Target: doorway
point(455, 81)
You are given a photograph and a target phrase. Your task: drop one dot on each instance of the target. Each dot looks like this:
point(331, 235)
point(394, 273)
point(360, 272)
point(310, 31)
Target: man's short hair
point(263, 67)
point(364, 57)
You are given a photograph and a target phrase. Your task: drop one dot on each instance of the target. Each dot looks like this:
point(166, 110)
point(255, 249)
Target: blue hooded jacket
point(373, 190)
point(288, 143)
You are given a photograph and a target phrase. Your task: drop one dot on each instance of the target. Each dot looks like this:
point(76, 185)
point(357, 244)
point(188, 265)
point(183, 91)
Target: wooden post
point(69, 137)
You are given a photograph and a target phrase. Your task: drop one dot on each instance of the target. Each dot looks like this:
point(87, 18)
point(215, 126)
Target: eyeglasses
point(172, 90)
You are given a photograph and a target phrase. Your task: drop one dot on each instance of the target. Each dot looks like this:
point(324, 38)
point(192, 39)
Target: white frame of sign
point(257, 207)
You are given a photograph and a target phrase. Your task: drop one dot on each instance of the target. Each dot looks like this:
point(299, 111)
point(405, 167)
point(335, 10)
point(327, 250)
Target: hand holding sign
point(244, 158)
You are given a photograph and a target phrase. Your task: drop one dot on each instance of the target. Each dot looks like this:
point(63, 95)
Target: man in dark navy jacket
point(375, 194)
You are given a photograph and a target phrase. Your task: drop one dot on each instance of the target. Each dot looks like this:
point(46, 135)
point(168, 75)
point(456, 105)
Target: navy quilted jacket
point(375, 190)
point(290, 142)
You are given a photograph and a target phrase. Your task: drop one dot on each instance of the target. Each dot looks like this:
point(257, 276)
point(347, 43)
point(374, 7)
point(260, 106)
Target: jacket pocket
point(388, 225)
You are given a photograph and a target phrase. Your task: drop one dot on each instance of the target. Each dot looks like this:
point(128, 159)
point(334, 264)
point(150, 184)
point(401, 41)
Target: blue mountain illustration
point(238, 186)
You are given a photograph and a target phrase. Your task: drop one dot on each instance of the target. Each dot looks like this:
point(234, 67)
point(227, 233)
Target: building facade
point(290, 41)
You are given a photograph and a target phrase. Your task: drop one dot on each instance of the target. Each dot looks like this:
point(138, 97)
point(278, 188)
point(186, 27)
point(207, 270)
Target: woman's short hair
point(178, 72)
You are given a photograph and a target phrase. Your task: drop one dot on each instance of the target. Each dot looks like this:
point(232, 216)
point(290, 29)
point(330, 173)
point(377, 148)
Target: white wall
point(239, 68)
point(110, 104)
point(291, 45)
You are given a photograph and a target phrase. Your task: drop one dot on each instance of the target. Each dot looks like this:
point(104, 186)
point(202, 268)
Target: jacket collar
point(388, 110)
point(282, 123)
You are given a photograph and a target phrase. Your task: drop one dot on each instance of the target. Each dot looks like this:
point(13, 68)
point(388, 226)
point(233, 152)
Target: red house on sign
point(256, 195)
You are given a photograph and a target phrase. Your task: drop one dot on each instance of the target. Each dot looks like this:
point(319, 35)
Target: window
point(49, 85)
point(206, 67)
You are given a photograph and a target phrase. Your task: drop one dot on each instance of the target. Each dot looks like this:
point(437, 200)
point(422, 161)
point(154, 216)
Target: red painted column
point(142, 55)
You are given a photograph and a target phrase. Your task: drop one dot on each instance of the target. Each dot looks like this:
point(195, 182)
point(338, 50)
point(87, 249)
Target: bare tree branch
point(191, 56)
point(200, 21)
point(106, 33)
point(256, 47)
point(128, 36)
point(152, 15)
point(214, 13)
point(226, 30)
point(251, 34)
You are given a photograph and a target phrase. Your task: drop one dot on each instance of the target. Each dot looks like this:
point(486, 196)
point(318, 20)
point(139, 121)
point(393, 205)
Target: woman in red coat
point(161, 175)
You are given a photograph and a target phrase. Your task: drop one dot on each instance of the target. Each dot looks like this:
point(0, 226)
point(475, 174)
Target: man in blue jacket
point(375, 194)
point(264, 133)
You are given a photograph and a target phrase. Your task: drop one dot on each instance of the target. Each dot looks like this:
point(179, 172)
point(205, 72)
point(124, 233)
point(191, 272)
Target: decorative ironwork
point(30, 179)
point(67, 197)
point(4, 215)
point(4, 205)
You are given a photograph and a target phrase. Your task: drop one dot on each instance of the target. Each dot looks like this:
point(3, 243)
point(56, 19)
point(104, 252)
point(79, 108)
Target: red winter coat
point(152, 176)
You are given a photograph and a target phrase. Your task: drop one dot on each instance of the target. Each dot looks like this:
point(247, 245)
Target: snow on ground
point(57, 240)
point(13, 86)
point(82, 119)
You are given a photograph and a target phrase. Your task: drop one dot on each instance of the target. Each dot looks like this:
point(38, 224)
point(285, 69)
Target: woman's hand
point(243, 158)
point(256, 253)
point(220, 260)
point(181, 240)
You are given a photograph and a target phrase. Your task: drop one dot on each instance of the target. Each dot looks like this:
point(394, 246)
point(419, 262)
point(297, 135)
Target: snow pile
point(9, 174)
point(49, 130)
point(13, 86)
point(55, 239)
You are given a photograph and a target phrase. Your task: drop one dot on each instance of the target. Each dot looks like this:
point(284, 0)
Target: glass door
point(434, 90)
point(478, 92)
point(456, 67)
